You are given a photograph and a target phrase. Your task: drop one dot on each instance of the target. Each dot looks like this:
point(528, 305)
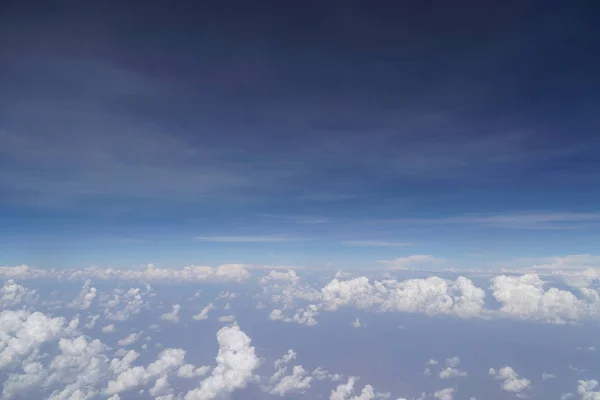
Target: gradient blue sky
point(318, 133)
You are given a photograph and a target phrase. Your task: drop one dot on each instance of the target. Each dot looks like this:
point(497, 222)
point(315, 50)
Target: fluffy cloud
point(22, 333)
point(444, 394)
point(451, 370)
point(14, 295)
point(130, 339)
point(413, 262)
point(172, 316)
point(431, 295)
point(344, 391)
point(525, 297)
point(193, 273)
point(123, 305)
point(236, 363)
point(203, 315)
point(168, 360)
point(511, 381)
point(586, 390)
point(288, 276)
point(86, 296)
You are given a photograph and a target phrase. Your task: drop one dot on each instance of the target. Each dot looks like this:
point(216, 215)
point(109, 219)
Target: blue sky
point(310, 135)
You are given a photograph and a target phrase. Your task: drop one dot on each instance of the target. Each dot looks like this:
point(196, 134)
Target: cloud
point(172, 316)
point(431, 295)
point(444, 394)
point(344, 391)
point(203, 315)
point(191, 273)
point(86, 296)
point(525, 297)
point(13, 295)
point(451, 370)
point(413, 262)
point(511, 381)
point(130, 339)
point(168, 360)
point(586, 390)
point(288, 276)
point(236, 363)
point(23, 332)
point(109, 328)
point(374, 243)
point(522, 220)
point(245, 239)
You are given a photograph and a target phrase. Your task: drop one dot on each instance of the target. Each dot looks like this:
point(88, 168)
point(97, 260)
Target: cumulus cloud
point(13, 295)
point(586, 390)
point(22, 333)
point(122, 306)
point(511, 382)
point(526, 297)
point(172, 316)
point(344, 391)
point(413, 262)
point(203, 315)
point(431, 295)
point(130, 339)
point(86, 296)
point(444, 394)
point(191, 273)
point(168, 360)
point(236, 363)
point(451, 370)
point(287, 276)
point(109, 328)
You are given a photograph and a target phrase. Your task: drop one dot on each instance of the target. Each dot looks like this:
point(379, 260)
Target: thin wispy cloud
point(522, 220)
point(245, 239)
point(374, 243)
point(416, 261)
point(298, 219)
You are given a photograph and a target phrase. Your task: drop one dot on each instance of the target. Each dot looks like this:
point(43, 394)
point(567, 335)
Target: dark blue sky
point(309, 133)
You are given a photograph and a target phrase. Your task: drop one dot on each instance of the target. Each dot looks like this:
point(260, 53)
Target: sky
point(360, 135)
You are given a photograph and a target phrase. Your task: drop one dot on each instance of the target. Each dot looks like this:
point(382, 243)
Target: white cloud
point(191, 273)
point(172, 316)
point(511, 381)
point(431, 295)
point(86, 296)
point(191, 371)
point(525, 297)
point(416, 261)
point(245, 239)
point(287, 276)
point(168, 360)
point(451, 370)
point(586, 390)
point(344, 391)
point(444, 394)
point(297, 382)
point(547, 376)
point(236, 362)
point(91, 321)
point(122, 306)
point(203, 315)
point(109, 328)
point(130, 339)
point(14, 295)
point(227, 318)
point(22, 333)
point(374, 243)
